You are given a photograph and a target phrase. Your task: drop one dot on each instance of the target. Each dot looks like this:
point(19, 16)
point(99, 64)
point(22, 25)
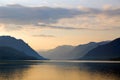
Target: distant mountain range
point(16, 49)
point(105, 50)
point(71, 52)
point(60, 52)
point(81, 50)
point(109, 51)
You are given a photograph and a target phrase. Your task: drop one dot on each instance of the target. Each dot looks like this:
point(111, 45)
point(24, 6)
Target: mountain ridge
point(105, 52)
point(19, 45)
point(68, 52)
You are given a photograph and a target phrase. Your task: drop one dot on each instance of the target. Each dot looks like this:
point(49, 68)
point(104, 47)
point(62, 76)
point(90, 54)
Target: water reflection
point(12, 71)
point(59, 71)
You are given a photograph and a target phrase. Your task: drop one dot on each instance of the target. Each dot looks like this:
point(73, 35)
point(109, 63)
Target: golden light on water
point(53, 72)
point(46, 72)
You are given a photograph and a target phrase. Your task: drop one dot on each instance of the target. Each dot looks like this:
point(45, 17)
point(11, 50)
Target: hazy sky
point(63, 3)
point(45, 24)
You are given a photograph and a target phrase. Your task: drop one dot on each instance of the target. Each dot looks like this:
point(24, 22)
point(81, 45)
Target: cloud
point(107, 7)
point(14, 5)
point(77, 28)
point(12, 27)
point(22, 15)
point(97, 22)
point(42, 35)
point(56, 27)
point(17, 16)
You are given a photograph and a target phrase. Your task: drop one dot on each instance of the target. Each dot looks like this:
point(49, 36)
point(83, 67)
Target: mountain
point(60, 52)
point(109, 51)
point(12, 48)
point(80, 50)
point(8, 53)
point(66, 52)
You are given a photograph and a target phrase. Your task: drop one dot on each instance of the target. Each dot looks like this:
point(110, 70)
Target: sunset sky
point(45, 24)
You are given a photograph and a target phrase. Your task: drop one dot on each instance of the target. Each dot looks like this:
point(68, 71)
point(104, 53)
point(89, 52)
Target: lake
point(59, 70)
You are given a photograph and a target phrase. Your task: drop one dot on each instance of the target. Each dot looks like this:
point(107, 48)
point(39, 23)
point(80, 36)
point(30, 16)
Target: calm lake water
point(59, 70)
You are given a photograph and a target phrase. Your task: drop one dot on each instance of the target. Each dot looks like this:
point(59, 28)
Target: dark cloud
point(69, 28)
point(21, 15)
point(18, 14)
point(112, 12)
point(60, 27)
point(42, 35)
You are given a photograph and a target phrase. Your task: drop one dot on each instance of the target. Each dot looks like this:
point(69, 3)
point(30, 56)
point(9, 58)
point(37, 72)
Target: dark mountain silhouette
point(16, 49)
point(110, 51)
point(7, 53)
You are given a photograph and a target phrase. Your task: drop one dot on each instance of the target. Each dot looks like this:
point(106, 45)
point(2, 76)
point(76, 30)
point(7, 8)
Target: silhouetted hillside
point(81, 50)
point(105, 52)
point(7, 53)
point(15, 49)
